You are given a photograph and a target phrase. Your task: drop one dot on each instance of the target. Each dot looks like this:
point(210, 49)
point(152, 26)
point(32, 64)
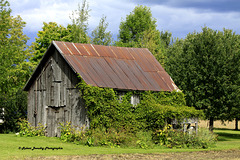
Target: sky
point(179, 17)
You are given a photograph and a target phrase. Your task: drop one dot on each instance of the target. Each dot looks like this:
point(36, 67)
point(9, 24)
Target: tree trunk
point(236, 124)
point(211, 121)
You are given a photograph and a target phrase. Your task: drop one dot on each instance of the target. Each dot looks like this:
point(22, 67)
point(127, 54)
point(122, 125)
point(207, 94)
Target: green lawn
point(10, 143)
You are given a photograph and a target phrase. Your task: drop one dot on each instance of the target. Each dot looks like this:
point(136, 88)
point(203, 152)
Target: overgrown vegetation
point(118, 123)
point(25, 129)
point(179, 139)
point(154, 110)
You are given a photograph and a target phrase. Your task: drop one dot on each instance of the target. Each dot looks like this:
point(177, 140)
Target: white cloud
point(44, 11)
point(178, 20)
point(181, 21)
point(114, 11)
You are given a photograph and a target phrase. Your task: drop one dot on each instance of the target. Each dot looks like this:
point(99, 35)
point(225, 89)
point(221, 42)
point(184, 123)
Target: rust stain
point(116, 67)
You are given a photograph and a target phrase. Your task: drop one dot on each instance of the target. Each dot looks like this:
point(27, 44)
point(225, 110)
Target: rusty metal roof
point(114, 67)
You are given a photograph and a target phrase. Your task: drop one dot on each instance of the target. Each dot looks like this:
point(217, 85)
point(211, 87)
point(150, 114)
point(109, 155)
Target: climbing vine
point(155, 109)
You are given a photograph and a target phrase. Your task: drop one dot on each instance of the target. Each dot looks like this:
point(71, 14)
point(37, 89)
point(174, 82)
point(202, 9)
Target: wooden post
point(211, 121)
point(236, 124)
point(196, 126)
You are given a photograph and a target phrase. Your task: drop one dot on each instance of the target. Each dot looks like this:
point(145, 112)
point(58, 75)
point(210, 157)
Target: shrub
point(144, 139)
point(69, 133)
point(25, 129)
point(179, 139)
point(106, 137)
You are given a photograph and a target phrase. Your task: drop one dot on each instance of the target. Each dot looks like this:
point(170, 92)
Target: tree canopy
point(139, 29)
point(100, 35)
point(14, 67)
point(136, 23)
point(50, 32)
point(204, 66)
point(79, 24)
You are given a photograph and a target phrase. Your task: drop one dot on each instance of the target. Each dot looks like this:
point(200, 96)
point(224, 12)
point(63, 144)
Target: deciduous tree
point(206, 67)
point(139, 29)
point(75, 32)
point(50, 32)
point(14, 67)
point(79, 24)
point(100, 35)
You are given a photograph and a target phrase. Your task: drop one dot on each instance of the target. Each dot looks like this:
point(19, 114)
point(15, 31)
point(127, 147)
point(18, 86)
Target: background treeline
point(204, 65)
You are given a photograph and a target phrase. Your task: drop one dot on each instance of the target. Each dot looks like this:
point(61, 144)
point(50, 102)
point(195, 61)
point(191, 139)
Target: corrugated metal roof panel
point(135, 69)
point(62, 47)
point(116, 67)
point(129, 73)
point(127, 53)
point(91, 70)
point(119, 72)
point(81, 49)
point(152, 60)
point(141, 60)
point(72, 48)
point(101, 72)
point(91, 51)
point(167, 79)
point(79, 68)
point(117, 51)
point(110, 72)
point(104, 51)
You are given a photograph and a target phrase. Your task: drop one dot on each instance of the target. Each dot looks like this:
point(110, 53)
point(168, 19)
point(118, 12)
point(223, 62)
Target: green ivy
point(153, 112)
point(104, 108)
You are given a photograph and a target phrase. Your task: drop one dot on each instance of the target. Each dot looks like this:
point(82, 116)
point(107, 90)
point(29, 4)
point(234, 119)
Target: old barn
point(52, 93)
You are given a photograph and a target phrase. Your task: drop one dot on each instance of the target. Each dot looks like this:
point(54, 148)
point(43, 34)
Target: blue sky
point(179, 17)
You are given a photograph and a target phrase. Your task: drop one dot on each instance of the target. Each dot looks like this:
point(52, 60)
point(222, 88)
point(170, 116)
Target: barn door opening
point(55, 116)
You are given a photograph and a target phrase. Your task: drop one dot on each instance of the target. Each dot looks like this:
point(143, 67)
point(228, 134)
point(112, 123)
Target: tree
point(99, 34)
point(14, 68)
point(50, 32)
point(75, 32)
point(140, 30)
point(138, 21)
point(204, 67)
point(79, 24)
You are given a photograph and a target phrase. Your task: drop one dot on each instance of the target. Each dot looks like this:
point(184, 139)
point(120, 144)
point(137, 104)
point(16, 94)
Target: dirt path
point(204, 155)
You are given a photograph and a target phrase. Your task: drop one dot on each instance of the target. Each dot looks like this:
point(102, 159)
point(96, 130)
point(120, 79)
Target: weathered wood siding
point(53, 97)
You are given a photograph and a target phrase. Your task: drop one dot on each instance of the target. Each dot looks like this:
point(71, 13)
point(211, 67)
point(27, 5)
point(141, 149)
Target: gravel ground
point(204, 155)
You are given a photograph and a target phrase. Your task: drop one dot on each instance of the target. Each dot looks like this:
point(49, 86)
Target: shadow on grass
point(227, 136)
point(226, 129)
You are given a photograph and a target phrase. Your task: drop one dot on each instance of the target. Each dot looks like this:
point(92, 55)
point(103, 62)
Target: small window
point(135, 100)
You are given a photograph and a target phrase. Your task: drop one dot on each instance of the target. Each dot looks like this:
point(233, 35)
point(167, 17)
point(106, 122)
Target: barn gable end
point(52, 96)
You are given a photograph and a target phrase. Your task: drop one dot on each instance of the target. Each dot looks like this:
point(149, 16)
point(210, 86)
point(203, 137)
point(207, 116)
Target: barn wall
point(53, 97)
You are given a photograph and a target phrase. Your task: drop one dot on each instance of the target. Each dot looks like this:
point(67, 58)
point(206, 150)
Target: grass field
point(10, 143)
point(219, 124)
